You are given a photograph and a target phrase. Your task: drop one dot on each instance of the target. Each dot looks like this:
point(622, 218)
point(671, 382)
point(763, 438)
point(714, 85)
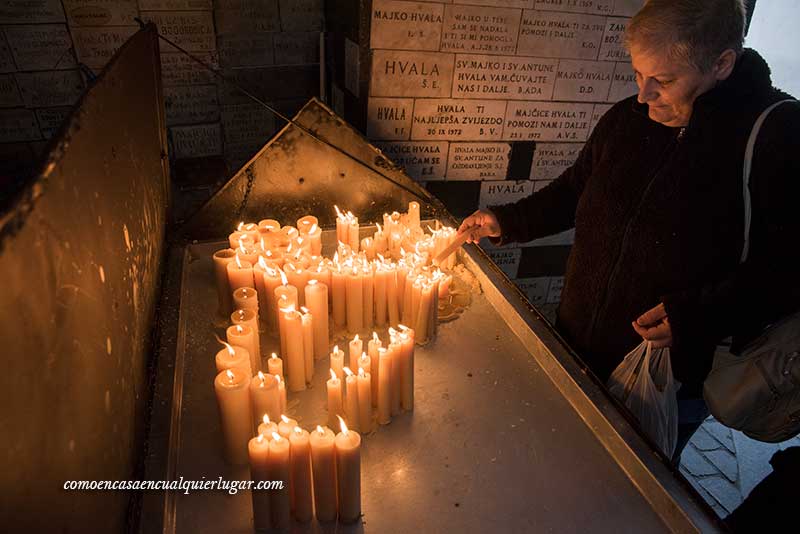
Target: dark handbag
point(758, 391)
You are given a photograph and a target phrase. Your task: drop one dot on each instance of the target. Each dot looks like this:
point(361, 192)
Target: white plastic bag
point(650, 396)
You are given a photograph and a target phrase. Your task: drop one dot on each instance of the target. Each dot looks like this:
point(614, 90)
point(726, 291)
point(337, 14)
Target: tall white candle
point(300, 454)
point(348, 473)
point(307, 321)
point(271, 279)
point(364, 385)
point(265, 396)
point(372, 350)
point(317, 301)
point(352, 234)
point(279, 469)
point(295, 356)
point(246, 298)
point(232, 356)
point(258, 450)
point(394, 350)
point(275, 365)
point(249, 318)
point(413, 214)
point(351, 398)
point(282, 391)
point(231, 387)
point(356, 346)
point(407, 371)
point(323, 464)
point(339, 294)
point(240, 273)
point(335, 404)
point(368, 289)
point(224, 299)
point(384, 386)
point(381, 278)
point(337, 361)
point(243, 336)
point(297, 277)
point(393, 296)
point(424, 313)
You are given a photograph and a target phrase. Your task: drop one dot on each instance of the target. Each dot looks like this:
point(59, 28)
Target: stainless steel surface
point(507, 433)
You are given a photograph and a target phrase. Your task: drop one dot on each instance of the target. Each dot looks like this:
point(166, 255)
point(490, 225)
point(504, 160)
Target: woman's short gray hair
point(693, 31)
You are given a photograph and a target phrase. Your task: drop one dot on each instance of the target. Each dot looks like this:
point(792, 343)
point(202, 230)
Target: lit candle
point(368, 246)
point(248, 252)
point(307, 322)
point(424, 313)
point(297, 277)
point(300, 454)
point(279, 469)
point(407, 370)
point(348, 473)
point(246, 298)
point(402, 277)
point(372, 350)
point(352, 233)
point(235, 239)
point(249, 318)
point(315, 236)
point(286, 425)
point(243, 336)
point(221, 260)
point(339, 293)
point(364, 385)
point(355, 301)
point(323, 464)
point(351, 397)
point(444, 287)
point(240, 273)
point(259, 270)
point(394, 351)
point(317, 301)
point(295, 356)
point(275, 365)
point(282, 391)
point(380, 240)
point(384, 386)
point(288, 291)
point(230, 357)
point(337, 361)
point(267, 427)
point(232, 389)
point(335, 406)
point(271, 280)
point(265, 396)
point(342, 225)
point(306, 223)
point(413, 214)
point(356, 348)
point(381, 278)
point(368, 287)
point(258, 451)
point(393, 296)
point(268, 230)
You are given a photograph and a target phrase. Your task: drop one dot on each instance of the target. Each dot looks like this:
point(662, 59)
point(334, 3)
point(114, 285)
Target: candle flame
point(336, 258)
point(284, 280)
point(230, 374)
point(241, 225)
point(285, 419)
point(314, 228)
point(313, 281)
point(297, 430)
point(333, 375)
point(268, 253)
point(338, 212)
point(238, 261)
point(361, 372)
point(402, 252)
point(278, 379)
point(289, 248)
point(265, 419)
point(355, 338)
point(262, 262)
point(304, 309)
point(263, 244)
point(321, 430)
point(231, 350)
point(347, 371)
point(274, 356)
point(392, 331)
point(383, 260)
point(241, 246)
point(239, 328)
point(260, 438)
point(403, 327)
point(336, 349)
point(375, 336)
point(262, 377)
point(379, 228)
point(343, 425)
point(299, 240)
point(276, 436)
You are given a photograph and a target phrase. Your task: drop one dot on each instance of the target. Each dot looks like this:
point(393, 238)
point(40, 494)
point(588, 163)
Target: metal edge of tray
point(643, 467)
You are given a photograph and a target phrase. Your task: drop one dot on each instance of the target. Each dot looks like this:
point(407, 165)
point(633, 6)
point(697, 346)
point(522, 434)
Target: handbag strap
point(748, 163)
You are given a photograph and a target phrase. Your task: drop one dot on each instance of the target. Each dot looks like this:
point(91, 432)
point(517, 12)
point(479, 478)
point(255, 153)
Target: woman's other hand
point(480, 224)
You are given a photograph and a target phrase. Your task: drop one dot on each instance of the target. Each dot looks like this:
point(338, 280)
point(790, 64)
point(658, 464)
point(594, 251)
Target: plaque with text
point(406, 25)
point(50, 119)
point(547, 121)
point(296, 48)
point(590, 7)
point(554, 291)
point(478, 161)
point(247, 124)
point(96, 46)
point(301, 15)
point(41, 46)
point(389, 118)
point(31, 11)
point(564, 35)
point(101, 12)
point(422, 160)
point(193, 30)
point(247, 16)
point(179, 69)
point(500, 77)
point(461, 120)
point(583, 80)
point(507, 259)
point(551, 159)
point(476, 29)
point(598, 111)
point(196, 141)
point(9, 94)
point(402, 73)
point(191, 104)
point(535, 289)
point(175, 5)
point(18, 124)
point(50, 88)
point(627, 8)
point(623, 84)
point(6, 60)
point(612, 48)
point(504, 192)
point(246, 49)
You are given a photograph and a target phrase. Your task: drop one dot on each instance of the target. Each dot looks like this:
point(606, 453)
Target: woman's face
point(669, 88)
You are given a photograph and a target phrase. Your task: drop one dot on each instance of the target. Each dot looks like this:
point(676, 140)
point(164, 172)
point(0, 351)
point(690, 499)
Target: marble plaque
point(352, 66)
point(191, 104)
point(462, 120)
point(6, 60)
point(535, 289)
point(591, 7)
point(179, 69)
point(246, 16)
point(517, 78)
point(50, 88)
point(196, 141)
point(193, 30)
point(623, 84)
point(496, 3)
point(478, 161)
point(487, 30)
point(101, 12)
point(175, 5)
point(504, 192)
point(627, 8)
point(301, 15)
point(247, 125)
point(31, 11)
point(246, 49)
point(562, 35)
point(96, 46)
point(583, 80)
point(41, 46)
point(9, 93)
point(507, 259)
point(297, 48)
point(18, 124)
point(389, 118)
point(612, 48)
point(598, 111)
point(547, 121)
point(551, 159)
point(406, 25)
point(50, 119)
point(554, 291)
point(402, 73)
point(422, 160)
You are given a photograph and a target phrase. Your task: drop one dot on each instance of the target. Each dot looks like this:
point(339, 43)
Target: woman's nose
point(647, 92)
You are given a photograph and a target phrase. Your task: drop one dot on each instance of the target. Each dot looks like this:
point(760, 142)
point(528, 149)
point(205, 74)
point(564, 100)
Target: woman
point(656, 200)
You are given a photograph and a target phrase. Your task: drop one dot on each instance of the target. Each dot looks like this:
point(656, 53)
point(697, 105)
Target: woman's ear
point(723, 67)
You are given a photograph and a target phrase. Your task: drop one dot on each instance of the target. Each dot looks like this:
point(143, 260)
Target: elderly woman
point(656, 200)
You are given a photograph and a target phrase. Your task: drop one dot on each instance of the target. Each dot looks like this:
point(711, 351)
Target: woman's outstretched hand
point(480, 224)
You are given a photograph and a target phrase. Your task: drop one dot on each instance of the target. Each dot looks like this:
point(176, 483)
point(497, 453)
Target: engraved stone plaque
point(547, 121)
point(507, 259)
point(463, 120)
point(612, 48)
point(196, 141)
point(41, 46)
point(478, 161)
point(535, 289)
point(301, 15)
point(627, 8)
point(18, 124)
point(479, 76)
point(401, 73)
point(564, 35)
point(175, 5)
point(101, 12)
point(9, 93)
point(551, 159)
point(249, 125)
point(496, 3)
point(296, 48)
point(31, 11)
point(389, 118)
point(50, 119)
point(193, 30)
point(243, 16)
point(599, 111)
point(6, 60)
point(583, 80)
point(504, 192)
point(476, 29)
point(623, 84)
point(422, 160)
point(591, 7)
point(191, 104)
point(406, 25)
point(179, 69)
point(246, 49)
point(96, 46)
point(50, 88)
